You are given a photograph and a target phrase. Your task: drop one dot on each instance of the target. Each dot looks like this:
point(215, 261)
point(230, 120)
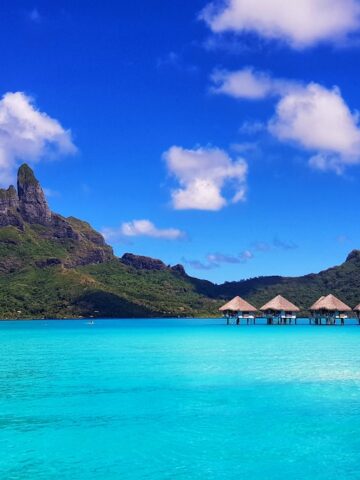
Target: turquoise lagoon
point(178, 399)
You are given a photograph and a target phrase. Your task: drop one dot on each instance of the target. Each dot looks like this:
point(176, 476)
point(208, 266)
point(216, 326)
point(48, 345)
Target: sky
point(221, 135)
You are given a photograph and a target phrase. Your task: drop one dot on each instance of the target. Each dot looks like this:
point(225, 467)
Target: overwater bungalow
point(279, 310)
point(314, 305)
point(238, 309)
point(331, 309)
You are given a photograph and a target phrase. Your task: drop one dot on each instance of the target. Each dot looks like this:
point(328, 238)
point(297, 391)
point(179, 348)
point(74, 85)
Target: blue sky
point(222, 136)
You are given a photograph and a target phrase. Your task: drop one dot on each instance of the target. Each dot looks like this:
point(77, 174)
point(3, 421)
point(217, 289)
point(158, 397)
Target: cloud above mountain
point(300, 24)
point(250, 84)
point(310, 116)
point(27, 134)
point(141, 228)
point(208, 178)
point(318, 119)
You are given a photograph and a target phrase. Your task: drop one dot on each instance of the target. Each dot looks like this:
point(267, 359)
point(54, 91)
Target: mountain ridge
point(59, 267)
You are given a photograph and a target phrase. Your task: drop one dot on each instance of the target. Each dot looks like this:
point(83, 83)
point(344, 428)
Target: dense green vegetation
point(39, 277)
point(342, 281)
point(42, 276)
point(56, 267)
point(159, 292)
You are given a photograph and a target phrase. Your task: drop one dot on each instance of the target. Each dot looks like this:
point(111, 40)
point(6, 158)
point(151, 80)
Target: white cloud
point(242, 84)
point(26, 134)
point(141, 228)
point(203, 174)
point(319, 119)
point(301, 23)
point(327, 162)
point(312, 116)
point(248, 83)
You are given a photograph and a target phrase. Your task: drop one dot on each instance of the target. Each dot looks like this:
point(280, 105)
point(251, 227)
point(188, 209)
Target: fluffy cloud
point(26, 134)
point(248, 83)
point(299, 23)
point(141, 228)
point(318, 119)
point(327, 162)
point(203, 174)
point(312, 116)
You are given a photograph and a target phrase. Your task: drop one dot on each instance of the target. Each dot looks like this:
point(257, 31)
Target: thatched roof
point(314, 305)
point(357, 308)
point(331, 304)
point(237, 304)
point(279, 304)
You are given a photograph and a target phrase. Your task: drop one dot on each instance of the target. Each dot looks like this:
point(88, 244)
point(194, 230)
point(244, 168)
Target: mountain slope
point(51, 266)
point(57, 267)
point(342, 281)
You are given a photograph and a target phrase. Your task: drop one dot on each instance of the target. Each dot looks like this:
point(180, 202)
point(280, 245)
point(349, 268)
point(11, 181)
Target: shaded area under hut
point(279, 311)
point(237, 310)
point(357, 311)
point(330, 310)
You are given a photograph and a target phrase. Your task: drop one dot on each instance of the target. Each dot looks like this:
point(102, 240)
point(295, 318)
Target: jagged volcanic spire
point(32, 203)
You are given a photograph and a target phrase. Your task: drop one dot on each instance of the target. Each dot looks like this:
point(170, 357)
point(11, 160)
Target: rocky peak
point(32, 203)
point(8, 199)
point(9, 204)
point(179, 269)
point(27, 207)
point(354, 255)
point(142, 263)
point(147, 263)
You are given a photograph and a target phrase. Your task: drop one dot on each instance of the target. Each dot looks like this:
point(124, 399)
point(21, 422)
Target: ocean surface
point(178, 399)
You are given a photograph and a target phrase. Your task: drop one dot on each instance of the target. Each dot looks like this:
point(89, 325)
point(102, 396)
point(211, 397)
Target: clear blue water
point(172, 399)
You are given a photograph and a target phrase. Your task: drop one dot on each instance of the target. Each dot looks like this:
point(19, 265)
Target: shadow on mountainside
point(106, 304)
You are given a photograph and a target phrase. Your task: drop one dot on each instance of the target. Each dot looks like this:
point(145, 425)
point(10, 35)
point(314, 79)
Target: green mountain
point(342, 281)
point(51, 266)
point(57, 267)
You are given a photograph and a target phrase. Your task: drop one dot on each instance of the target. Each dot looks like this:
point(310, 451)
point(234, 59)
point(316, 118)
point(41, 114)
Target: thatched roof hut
point(314, 305)
point(357, 308)
point(237, 304)
point(279, 304)
point(330, 303)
